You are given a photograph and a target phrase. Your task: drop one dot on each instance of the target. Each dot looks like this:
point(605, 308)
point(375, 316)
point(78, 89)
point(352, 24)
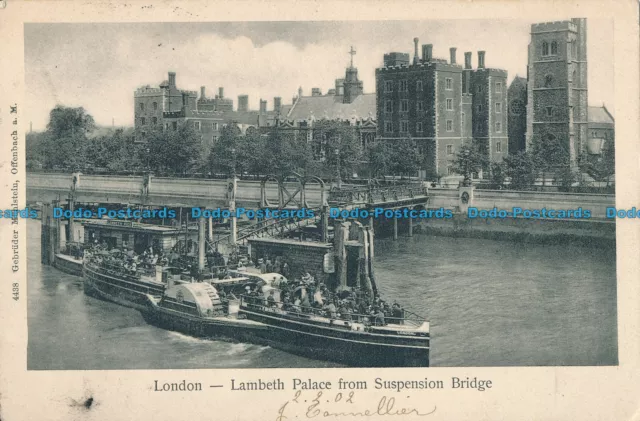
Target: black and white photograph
point(319, 210)
point(212, 194)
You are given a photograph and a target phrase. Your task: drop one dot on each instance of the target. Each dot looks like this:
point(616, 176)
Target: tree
point(116, 152)
point(379, 159)
point(340, 144)
point(175, 151)
point(549, 154)
point(520, 168)
point(65, 142)
point(600, 167)
point(405, 157)
point(470, 159)
point(225, 156)
point(498, 175)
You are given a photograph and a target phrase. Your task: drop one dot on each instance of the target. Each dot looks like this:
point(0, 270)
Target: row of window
point(448, 85)
point(143, 121)
point(198, 125)
point(404, 126)
point(154, 105)
point(404, 106)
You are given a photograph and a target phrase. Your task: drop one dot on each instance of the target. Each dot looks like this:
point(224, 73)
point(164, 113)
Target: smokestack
point(480, 59)
point(427, 52)
point(415, 50)
point(277, 104)
point(221, 92)
point(300, 92)
point(452, 54)
point(243, 102)
point(467, 60)
point(202, 92)
point(263, 106)
point(172, 79)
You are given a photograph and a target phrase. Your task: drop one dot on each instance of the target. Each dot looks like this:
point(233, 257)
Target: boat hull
point(358, 349)
point(100, 285)
point(68, 264)
point(222, 328)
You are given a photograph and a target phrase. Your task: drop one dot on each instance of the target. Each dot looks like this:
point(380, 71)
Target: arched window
point(574, 77)
point(155, 105)
point(548, 81)
point(545, 48)
point(554, 47)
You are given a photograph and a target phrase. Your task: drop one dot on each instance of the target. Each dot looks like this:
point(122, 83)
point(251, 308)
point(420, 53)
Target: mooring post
point(395, 228)
point(410, 227)
point(201, 244)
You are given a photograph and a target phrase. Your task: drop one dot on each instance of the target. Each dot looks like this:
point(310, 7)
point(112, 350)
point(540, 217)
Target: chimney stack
point(243, 102)
point(202, 92)
point(467, 60)
point(427, 52)
point(221, 92)
point(415, 50)
point(263, 106)
point(316, 92)
point(480, 59)
point(452, 54)
point(300, 92)
point(277, 104)
point(172, 79)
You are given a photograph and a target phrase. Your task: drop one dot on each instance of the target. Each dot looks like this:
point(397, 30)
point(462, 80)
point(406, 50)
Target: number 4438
point(16, 291)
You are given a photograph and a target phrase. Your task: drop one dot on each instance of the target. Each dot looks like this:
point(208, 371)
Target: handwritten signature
point(386, 407)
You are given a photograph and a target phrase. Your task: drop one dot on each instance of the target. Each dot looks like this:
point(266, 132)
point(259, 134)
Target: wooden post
point(395, 228)
point(72, 236)
point(325, 224)
point(410, 227)
point(201, 244)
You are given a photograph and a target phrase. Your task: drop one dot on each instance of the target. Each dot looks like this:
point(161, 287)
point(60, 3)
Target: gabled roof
point(600, 115)
point(331, 107)
point(518, 81)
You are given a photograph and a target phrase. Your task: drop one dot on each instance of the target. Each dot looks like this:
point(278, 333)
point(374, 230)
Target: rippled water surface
point(490, 303)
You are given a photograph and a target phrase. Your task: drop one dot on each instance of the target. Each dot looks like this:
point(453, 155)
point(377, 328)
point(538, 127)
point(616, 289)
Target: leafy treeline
point(72, 142)
point(546, 160)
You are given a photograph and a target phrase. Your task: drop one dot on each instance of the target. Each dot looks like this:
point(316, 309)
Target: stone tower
point(557, 108)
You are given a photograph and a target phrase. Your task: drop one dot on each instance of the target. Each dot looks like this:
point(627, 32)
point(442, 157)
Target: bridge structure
point(290, 192)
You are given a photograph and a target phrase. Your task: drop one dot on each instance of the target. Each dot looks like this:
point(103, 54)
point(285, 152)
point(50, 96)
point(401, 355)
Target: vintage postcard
point(301, 210)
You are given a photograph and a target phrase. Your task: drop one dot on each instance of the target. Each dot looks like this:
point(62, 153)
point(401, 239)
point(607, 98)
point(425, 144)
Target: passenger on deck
point(262, 265)
point(379, 316)
point(271, 299)
point(331, 309)
point(285, 270)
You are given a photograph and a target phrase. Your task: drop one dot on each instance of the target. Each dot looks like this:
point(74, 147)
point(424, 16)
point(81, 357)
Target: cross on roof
point(352, 52)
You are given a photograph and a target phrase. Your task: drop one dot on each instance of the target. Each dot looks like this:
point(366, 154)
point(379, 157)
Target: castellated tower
point(557, 108)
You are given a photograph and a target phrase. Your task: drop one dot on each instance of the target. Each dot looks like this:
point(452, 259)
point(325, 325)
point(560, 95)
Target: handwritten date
point(320, 407)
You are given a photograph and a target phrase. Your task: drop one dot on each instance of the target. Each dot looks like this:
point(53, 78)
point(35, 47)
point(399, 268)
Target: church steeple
point(352, 86)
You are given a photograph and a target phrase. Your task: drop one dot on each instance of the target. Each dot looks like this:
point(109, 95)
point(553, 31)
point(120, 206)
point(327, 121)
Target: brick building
point(556, 94)
point(346, 103)
point(167, 107)
point(557, 107)
point(441, 105)
point(517, 114)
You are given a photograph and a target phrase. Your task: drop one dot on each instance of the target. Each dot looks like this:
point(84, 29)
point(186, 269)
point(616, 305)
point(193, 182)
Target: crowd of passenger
point(308, 295)
point(127, 259)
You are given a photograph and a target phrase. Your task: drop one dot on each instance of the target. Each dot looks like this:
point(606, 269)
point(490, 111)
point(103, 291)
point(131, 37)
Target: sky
point(99, 65)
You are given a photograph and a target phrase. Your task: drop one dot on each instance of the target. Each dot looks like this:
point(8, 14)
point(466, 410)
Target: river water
point(490, 303)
